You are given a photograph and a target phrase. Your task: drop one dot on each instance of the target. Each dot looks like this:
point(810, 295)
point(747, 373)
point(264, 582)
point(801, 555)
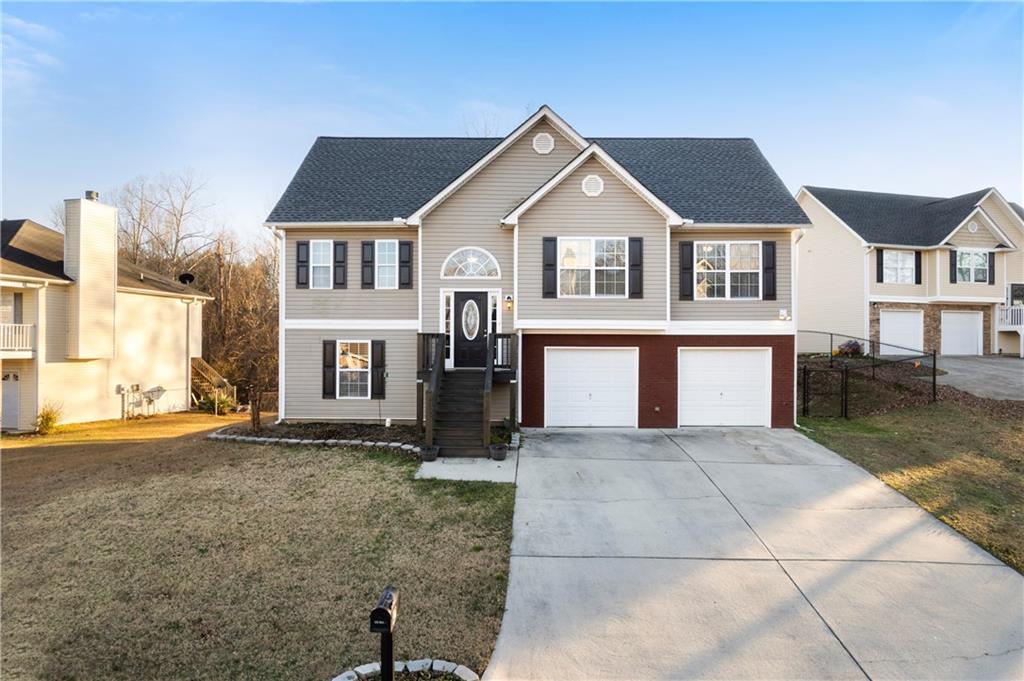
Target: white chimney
point(90, 259)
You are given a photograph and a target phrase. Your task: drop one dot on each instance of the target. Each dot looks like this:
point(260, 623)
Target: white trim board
point(933, 299)
point(351, 324)
point(617, 324)
point(733, 328)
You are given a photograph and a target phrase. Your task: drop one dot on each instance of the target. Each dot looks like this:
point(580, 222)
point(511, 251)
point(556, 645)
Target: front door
point(470, 316)
point(11, 400)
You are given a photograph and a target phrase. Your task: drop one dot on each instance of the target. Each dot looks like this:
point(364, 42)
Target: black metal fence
point(847, 376)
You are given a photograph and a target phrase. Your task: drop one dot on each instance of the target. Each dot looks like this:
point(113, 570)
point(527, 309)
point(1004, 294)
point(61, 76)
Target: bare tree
point(136, 208)
point(57, 216)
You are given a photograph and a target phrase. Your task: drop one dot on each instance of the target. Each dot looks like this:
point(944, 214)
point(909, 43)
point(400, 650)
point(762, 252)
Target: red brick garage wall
point(658, 371)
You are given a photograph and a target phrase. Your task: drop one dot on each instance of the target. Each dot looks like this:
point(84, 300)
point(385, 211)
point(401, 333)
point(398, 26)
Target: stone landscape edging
point(253, 439)
point(372, 670)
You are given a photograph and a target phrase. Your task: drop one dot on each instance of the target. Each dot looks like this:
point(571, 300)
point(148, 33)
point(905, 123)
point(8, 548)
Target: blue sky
point(921, 98)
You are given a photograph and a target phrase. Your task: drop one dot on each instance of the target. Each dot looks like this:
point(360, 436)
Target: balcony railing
point(17, 337)
point(1010, 317)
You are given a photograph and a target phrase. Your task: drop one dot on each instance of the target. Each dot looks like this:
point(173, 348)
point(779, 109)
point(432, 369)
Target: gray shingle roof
point(348, 179)
point(899, 219)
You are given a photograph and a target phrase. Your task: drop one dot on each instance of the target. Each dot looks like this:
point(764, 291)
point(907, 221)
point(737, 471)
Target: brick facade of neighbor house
point(933, 321)
point(658, 371)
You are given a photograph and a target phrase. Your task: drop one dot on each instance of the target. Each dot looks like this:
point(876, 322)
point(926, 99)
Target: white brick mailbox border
point(253, 439)
point(372, 670)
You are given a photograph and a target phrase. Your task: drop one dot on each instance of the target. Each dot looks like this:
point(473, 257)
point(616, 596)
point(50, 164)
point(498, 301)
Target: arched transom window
point(470, 263)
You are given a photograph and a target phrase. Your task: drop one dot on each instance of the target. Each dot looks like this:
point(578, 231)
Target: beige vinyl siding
point(891, 289)
point(1010, 226)
point(972, 290)
point(304, 376)
point(149, 351)
point(931, 283)
point(567, 212)
point(746, 310)
point(26, 383)
point(353, 302)
point(983, 238)
point(831, 278)
point(472, 215)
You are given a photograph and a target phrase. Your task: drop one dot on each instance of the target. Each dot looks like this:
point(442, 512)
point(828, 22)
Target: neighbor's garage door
point(590, 386)
point(724, 387)
point(901, 332)
point(961, 333)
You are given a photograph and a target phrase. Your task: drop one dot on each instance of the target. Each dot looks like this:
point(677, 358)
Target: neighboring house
point(915, 272)
point(627, 282)
point(100, 338)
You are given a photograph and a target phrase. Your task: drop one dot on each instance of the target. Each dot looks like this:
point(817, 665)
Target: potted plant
point(499, 451)
point(429, 452)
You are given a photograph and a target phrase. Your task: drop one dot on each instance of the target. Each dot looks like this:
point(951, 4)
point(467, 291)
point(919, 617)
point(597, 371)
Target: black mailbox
point(384, 616)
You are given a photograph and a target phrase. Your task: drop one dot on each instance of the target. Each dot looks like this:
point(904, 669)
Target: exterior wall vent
point(593, 185)
point(543, 143)
point(972, 227)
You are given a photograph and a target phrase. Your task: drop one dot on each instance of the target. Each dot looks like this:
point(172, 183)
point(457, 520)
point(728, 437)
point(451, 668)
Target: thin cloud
point(28, 29)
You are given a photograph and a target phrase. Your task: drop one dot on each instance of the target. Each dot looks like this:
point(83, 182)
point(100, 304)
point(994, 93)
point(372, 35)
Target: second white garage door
point(961, 333)
point(725, 387)
point(900, 332)
point(591, 387)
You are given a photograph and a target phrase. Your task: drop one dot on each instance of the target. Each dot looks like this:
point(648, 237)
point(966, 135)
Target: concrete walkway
point(739, 554)
point(994, 377)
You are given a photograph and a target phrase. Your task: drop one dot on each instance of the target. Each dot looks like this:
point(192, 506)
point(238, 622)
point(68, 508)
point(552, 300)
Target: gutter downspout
point(188, 353)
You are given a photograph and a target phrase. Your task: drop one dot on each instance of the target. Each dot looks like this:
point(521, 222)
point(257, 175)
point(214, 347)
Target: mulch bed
point(372, 432)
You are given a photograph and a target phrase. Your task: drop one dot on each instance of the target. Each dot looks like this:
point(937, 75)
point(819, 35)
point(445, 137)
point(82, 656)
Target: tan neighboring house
point(100, 338)
point(545, 277)
point(913, 273)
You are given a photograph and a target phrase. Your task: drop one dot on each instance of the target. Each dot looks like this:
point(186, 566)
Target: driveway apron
point(739, 554)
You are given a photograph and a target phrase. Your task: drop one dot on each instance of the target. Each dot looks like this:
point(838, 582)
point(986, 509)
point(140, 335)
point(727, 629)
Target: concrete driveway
point(737, 554)
point(994, 377)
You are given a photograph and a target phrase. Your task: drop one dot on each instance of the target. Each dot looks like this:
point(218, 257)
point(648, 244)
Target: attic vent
point(593, 185)
point(543, 143)
point(972, 226)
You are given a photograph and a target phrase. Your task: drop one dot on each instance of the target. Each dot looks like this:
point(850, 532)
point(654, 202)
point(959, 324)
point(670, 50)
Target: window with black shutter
point(404, 264)
point(550, 267)
point(378, 367)
point(330, 378)
point(685, 270)
point(636, 267)
point(301, 264)
point(340, 264)
point(768, 270)
point(367, 264)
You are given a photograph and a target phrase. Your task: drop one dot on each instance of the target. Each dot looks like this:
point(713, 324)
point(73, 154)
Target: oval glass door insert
point(470, 320)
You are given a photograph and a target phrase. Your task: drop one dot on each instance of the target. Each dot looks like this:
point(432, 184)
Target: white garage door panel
point(591, 387)
point(724, 387)
point(961, 333)
point(901, 332)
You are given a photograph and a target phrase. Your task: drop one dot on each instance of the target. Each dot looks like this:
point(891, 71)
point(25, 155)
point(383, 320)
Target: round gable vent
point(593, 185)
point(543, 143)
point(972, 226)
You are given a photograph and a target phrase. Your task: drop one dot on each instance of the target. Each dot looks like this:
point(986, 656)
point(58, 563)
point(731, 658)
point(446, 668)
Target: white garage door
point(901, 332)
point(591, 387)
point(725, 387)
point(961, 333)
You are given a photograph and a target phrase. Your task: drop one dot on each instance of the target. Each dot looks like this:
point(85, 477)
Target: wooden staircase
point(206, 381)
point(458, 423)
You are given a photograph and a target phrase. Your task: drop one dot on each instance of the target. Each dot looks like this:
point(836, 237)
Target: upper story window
point(898, 267)
point(591, 267)
point(470, 263)
point(320, 263)
point(972, 267)
point(386, 259)
point(727, 270)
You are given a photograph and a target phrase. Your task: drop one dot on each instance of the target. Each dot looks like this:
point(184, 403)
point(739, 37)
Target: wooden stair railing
point(435, 356)
point(488, 384)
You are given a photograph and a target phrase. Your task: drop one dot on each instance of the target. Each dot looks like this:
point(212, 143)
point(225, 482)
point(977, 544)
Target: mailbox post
point(382, 621)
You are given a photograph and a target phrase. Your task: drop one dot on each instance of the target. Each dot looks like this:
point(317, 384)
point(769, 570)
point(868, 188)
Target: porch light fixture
point(784, 315)
point(508, 303)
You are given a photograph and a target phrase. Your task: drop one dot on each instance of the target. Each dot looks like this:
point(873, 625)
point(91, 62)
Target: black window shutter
point(301, 264)
point(991, 267)
point(768, 270)
point(367, 262)
point(685, 270)
point(917, 267)
point(879, 265)
point(636, 267)
point(330, 364)
point(404, 264)
point(340, 264)
point(952, 267)
point(550, 267)
point(377, 367)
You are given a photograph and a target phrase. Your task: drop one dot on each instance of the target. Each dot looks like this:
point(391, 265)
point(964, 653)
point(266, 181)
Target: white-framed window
point(470, 263)
point(353, 370)
point(592, 267)
point(385, 260)
point(972, 267)
point(725, 270)
point(320, 263)
point(898, 267)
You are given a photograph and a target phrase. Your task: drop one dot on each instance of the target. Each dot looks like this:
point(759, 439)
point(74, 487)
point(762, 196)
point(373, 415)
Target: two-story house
point(913, 273)
point(550, 278)
point(85, 332)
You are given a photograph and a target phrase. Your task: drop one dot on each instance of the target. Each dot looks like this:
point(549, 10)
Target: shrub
point(48, 418)
point(223, 404)
point(850, 348)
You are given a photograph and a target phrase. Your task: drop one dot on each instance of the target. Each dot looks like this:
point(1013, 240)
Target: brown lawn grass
point(963, 463)
point(178, 557)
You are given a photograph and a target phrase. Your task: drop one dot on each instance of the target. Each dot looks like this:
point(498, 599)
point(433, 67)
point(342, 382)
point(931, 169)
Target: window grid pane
point(320, 252)
point(745, 284)
point(710, 285)
point(610, 282)
point(353, 369)
point(574, 282)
